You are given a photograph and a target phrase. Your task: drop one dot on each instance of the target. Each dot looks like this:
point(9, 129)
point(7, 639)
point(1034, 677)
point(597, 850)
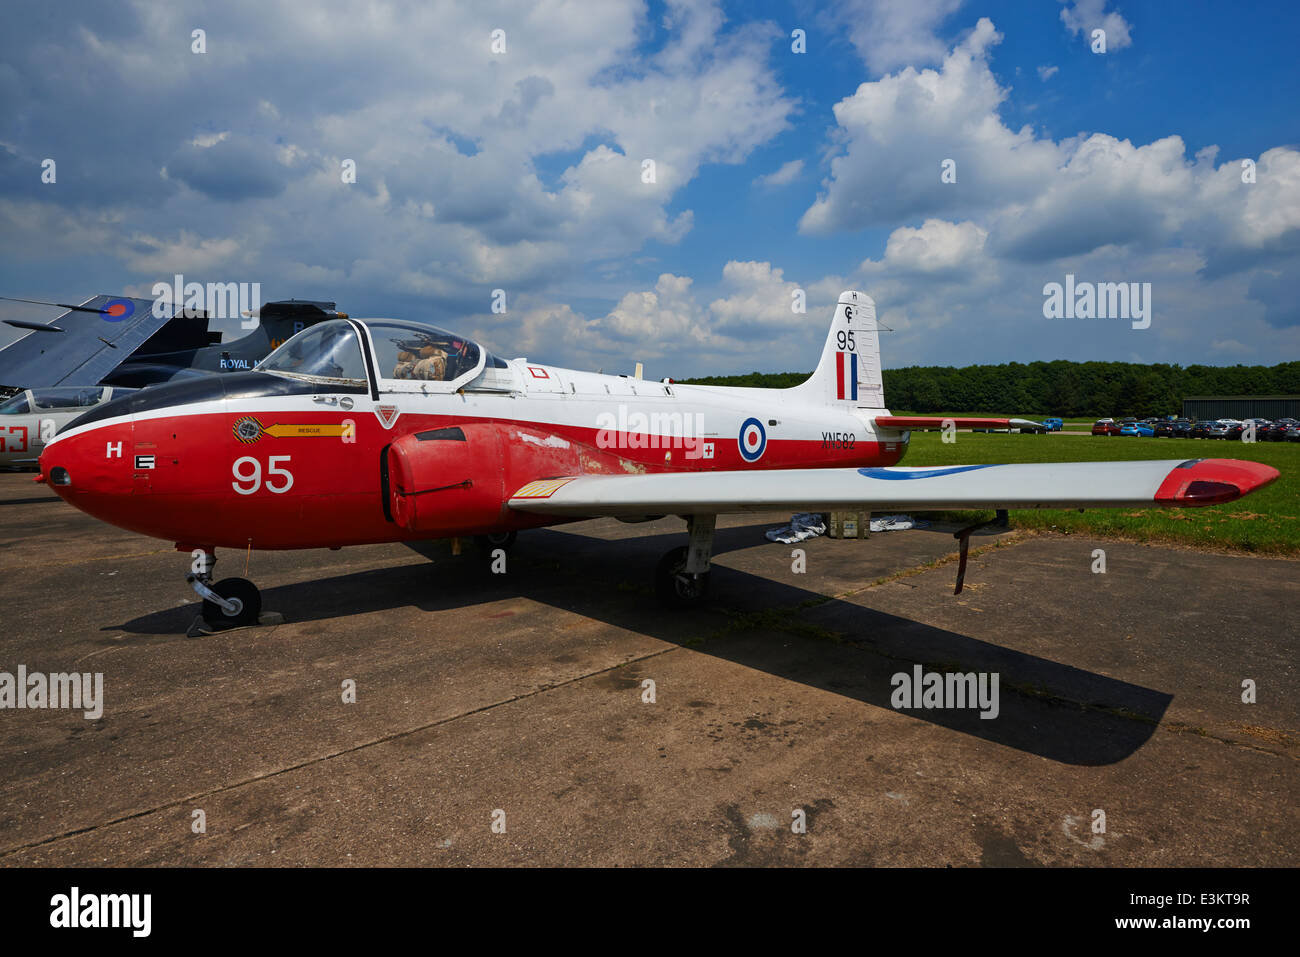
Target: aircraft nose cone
point(92, 468)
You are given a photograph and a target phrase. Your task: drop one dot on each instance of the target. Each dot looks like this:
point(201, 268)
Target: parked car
point(1261, 427)
point(1165, 430)
point(1105, 427)
point(1216, 430)
point(1054, 424)
point(1183, 428)
point(1027, 427)
point(1201, 430)
point(1278, 430)
point(1137, 428)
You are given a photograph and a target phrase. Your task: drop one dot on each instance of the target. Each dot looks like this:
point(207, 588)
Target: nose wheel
point(231, 602)
point(237, 602)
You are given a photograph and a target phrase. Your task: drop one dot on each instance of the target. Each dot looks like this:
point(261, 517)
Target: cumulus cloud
point(527, 171)
point(936, 247)
point(1037, 199)
point(474, 169)
point(896, 133)
point(671, 328)
point(965, 262)
point(227, 169)
point(892, 33)
point(1084, 16)
point(784, 176)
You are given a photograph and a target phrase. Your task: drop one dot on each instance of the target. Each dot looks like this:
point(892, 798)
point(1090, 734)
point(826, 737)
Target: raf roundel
point(115, 310)
point(752, 440)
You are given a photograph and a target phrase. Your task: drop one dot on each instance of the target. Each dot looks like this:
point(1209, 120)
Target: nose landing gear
point(231, 602)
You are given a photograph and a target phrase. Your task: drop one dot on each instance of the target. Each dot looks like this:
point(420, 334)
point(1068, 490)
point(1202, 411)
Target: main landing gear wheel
point(675, 586)
point(239, 592)
point(487, 543)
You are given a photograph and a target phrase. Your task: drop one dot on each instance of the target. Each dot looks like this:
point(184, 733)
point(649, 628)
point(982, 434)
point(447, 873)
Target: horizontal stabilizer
point(937, 422)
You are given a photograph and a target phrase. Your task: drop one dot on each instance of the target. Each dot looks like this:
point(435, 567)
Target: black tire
point(674, 587)
point(487, 543)
point(243, 591)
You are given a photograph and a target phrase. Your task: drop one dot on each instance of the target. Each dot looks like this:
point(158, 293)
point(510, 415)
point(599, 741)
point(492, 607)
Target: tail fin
point(849, 371)
point(280, 320)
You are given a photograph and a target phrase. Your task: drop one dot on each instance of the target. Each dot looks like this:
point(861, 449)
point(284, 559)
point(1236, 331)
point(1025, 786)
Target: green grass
point(1266, 522)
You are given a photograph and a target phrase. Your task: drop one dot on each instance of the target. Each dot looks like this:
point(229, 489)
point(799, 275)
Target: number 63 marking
point(249, 482)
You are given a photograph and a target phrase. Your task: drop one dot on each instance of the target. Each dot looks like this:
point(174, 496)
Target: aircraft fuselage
point(262, 460)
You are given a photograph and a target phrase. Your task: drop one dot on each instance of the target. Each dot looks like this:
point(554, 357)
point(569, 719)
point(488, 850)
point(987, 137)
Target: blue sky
point(521, 170)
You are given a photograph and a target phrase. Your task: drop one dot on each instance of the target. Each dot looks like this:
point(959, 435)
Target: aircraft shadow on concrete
point(1048, 709)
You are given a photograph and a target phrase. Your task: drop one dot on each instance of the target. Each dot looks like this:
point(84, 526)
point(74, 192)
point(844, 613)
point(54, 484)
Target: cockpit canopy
point(407, 356)
point(57, 399)
point(414, 352)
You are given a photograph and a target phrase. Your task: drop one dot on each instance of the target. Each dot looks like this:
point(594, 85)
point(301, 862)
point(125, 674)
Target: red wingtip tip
point(1213, 481)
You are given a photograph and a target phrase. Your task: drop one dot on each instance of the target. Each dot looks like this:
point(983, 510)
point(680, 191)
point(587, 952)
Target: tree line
point(1061, 387)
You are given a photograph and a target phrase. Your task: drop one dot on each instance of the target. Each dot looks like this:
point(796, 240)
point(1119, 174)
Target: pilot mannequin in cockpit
point(429, 363)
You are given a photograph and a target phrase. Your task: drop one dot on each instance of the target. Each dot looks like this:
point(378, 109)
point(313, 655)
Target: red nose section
point(93, 471)
point(1212, 481)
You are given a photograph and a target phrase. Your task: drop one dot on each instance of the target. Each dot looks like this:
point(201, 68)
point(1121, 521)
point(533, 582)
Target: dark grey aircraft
point(112, 340)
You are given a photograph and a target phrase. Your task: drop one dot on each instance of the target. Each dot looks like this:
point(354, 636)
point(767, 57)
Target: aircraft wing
point(1173, 482)
point(81, 346)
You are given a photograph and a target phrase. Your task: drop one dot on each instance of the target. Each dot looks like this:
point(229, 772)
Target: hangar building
point(1198, 407)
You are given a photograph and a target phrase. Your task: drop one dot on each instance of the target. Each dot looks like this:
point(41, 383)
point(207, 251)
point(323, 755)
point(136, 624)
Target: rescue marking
point(248, 430)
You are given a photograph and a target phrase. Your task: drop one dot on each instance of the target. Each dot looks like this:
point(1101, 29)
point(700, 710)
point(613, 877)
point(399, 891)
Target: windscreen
point(328, 352)
point(16, 405)
point(67, 398)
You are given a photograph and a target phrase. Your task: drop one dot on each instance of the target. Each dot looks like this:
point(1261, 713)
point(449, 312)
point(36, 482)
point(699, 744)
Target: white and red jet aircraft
point(363, 431)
